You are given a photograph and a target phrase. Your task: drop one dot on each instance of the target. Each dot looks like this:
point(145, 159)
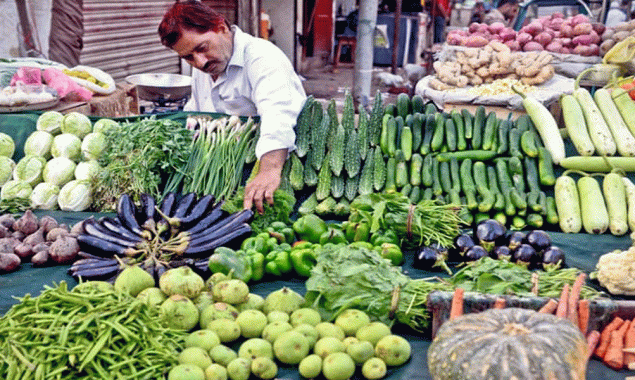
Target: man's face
point(209, 52)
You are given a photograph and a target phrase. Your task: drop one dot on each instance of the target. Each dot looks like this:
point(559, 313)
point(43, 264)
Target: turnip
point(582, 29)
point(532, 46)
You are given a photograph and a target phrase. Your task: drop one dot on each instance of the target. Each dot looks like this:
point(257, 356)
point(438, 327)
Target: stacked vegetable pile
point(179, 231)
point(554, 33)
point(493, 62)
point(615, 34)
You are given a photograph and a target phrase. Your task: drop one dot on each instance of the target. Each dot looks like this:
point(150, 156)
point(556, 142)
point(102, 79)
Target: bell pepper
point(257, 261)
point(257, 243)
point(391, 252)
point(226, 260)
point(333, 235)
point(386, 236)
point(361, 244)
point(309, 227)
point(278, 262)
point(303, 261)
point(359, 231)
point(281, 231)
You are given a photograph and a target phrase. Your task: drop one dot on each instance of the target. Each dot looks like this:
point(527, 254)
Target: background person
point(239, 74)
point(505, 12)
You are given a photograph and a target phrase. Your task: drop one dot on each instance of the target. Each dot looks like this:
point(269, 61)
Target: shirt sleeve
point(279, 97)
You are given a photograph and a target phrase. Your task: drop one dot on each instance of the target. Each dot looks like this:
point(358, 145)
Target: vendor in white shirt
point(238, 74)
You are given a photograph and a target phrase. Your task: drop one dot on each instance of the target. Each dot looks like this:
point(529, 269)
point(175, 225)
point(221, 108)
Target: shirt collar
point(238, 54)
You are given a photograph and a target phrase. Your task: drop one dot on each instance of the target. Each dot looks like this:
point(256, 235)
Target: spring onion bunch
point(220, 149)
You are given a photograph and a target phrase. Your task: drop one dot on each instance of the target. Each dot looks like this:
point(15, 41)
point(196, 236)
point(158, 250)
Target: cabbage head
point(7, 145)
point(75, 196)
point(93, 145)
point(77, 124)
point(59, 171)
point(29, 169)
point(50, 121)
point(103, 125)
point(6, 169)
point(15, 189)
point(86, 170)
point(44, 196)
point(39, 143)
point(67, 145)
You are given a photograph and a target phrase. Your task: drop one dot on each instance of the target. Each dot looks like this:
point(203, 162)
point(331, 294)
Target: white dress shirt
point(259, 80)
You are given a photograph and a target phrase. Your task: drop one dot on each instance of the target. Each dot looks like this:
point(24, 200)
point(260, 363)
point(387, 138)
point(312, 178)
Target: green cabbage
point(59, 171)
point(67, 145)
point(50, 121)
point(29, 169)
point(77, 124)
point(7, 146)
point(93, 145)
point(87, 170)
point(6, 169)
point(44, 196)
point(39, 143)
point(103, 125)
point(15, 189)
point(75, 196)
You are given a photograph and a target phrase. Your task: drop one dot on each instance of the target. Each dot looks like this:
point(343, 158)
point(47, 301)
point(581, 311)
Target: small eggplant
point(501, 252)
point(538, 239)
point(552, 258)
point(525, 255)
point(489, 232)
point(462, 243)
point(515, 239)
point(429, 258)
point(475, 253)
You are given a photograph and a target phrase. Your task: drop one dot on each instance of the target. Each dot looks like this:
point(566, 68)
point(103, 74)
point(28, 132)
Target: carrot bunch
point(616, 344)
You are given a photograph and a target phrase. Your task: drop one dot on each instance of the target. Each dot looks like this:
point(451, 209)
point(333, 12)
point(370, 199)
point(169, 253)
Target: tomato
point(630, 88)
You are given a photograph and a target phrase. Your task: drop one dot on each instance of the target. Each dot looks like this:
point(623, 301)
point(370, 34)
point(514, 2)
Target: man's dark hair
point(503, 2)
point(189, 15)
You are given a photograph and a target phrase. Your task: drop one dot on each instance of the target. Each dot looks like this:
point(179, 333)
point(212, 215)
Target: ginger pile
point(495, 61)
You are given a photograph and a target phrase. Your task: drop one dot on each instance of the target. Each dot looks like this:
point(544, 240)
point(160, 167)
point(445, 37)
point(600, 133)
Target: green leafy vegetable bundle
point(355, 277)
point(282, 207)
point(139, 155)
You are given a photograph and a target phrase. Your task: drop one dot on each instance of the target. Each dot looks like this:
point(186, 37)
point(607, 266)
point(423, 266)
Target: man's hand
point(266, 181)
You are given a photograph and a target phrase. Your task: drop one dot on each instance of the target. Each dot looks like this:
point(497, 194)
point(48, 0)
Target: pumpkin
point(510, 343)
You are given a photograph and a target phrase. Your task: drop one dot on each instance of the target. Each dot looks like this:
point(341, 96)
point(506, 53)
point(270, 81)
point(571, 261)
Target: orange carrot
point(561, 310)
point(549, 307)
point(605, 337)
point(629, 342)
point(499, 303)
point(583, 315)
point(592, 340)
point(456, 309)
point(614, 356)
point(574, 297)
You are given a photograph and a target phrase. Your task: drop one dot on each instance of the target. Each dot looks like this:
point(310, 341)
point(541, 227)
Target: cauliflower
point(616, 271)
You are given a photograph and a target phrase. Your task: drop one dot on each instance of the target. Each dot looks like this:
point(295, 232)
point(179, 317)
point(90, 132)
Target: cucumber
point(528, 143)
point(428, 132)
point(418, 122)
point(455, 173)
point(391, 142)
point(379, 170)
point(514, 142)
point(415, 195)
point(416, 104)
point(406, 143)
point(467, 184)
point(476, 155)
point(531, 174)
point(489, 132)
point(535, 220)
point(615, 197)
point(505, 184)
point(444, 176)
point(567, 201)
point(439, 133)
point(403, 105)
point(427, 194)
point(401, 174)
point(551, 211)
point(461, 142)
point(450, 134)
point(499, 198)
point(545, 167)
point(390, 109)
point(478, 127)
point(468, 123)
point(436, 181)
point(430, 108)
point(480, 181)
point(383, 138)
point(391, 172)
point(405, 190)
point(503, 137)
point(416, 163)
point(595, 216)
point(426, 170)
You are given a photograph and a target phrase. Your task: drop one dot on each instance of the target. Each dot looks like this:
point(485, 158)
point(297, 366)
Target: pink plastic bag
point(27, 75)
point(66, 88)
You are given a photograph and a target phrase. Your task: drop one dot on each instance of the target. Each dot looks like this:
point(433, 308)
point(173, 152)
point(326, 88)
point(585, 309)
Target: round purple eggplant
point(462, 243)
point(430, 258)
point(525, 255)
point(515, 239)
point(489, 233)
point(538, 239)
point(501, 252)
point(552, 258)
point(475, 253)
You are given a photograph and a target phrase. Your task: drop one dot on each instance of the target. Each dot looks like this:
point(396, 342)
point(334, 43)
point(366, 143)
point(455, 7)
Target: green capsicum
point(278, 260)
point(309, 227)
point(281, 231)
point(359, 231)
point(257, 261)
point(386, 236)
point(333, 235)
point(391, 252)
point(303, 261)
point(226, 260)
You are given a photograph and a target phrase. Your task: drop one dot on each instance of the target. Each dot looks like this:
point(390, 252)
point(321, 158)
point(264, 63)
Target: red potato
point(543, 38)
point(476, 41)
point(496, 27)
point(507, 34)
point(582, 29)
point(523, 38)
point(41, 258)
point(533, 46)
point(9, 262)
point(566, 30)
point(582, 40)
point(24, 251)
point(579, 19)
point(554, 47)
point(513, 45)
point(598, 27)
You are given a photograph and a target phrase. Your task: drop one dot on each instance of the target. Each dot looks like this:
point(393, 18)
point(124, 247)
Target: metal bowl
point(161, 87)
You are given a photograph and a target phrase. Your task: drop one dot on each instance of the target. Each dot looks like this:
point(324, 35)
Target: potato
point(35, 238)
point(41, 258)
point(55, 233)
point(7, 221)
point(48, 223)
point(64, 250)
point(9, 262)
point(582, 29)
point(24, 251)
point(476, 41)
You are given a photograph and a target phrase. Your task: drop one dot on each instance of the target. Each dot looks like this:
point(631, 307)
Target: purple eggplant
point(501, 252)
point(515, 239)
point(525, 255)
point(490, 233)
point(552, 258)
point(462, 243)
point(429, 258)
point(538, 239)
point(475, 253)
